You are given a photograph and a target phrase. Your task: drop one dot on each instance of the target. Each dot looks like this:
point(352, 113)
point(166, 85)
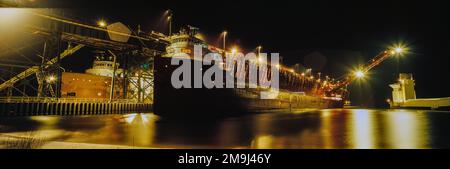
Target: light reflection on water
point(330, 128)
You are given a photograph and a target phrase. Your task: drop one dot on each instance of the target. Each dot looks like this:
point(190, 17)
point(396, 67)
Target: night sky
point(328, 36)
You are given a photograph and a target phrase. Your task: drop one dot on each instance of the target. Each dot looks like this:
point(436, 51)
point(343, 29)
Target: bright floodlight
point(101, 23)
point(398, 50)
point(11, 17)
point(234, 50)
point(51, 79)
point(359, 74)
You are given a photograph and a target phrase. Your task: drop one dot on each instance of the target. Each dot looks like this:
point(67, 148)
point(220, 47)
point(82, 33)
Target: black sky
point(332, 35)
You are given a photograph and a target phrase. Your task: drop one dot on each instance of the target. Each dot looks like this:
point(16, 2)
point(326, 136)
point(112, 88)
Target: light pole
point(398, 51)
point(259, 49)
point(170, 24)
point(169, 19)
point(224, 40)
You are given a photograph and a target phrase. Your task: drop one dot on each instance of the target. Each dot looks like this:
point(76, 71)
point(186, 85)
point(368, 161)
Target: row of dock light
point(261, 60)
point(398, 49)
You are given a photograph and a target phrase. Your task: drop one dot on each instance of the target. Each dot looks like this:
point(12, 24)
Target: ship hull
point(222, 102)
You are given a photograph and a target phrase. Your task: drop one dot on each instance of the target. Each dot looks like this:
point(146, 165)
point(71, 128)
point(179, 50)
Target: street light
point(259, 49)
point(169, 18)
point(260, 59)
point(51, 79)
point(101, 23)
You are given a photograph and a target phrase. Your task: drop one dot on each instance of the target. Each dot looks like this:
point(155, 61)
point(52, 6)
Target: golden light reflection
point(263, 142)
point(130, 118)
point(47, 120)
point(326, 129)
point(406, 129)
point(145, 119)
point(141, 130)
point(361, 129)
point(325, 113)
point(48, 128)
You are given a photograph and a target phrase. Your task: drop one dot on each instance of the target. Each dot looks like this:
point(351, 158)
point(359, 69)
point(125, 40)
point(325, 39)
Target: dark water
point(331, 128)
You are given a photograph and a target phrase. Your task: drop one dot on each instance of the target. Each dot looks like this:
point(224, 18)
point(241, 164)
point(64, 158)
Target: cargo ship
point(296, 90)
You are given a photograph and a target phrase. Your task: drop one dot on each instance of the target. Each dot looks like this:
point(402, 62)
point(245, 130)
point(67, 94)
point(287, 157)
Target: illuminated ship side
point(296, 90)
point(95, 83)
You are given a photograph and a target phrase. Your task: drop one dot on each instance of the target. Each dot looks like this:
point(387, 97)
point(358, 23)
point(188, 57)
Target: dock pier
point(32, 106)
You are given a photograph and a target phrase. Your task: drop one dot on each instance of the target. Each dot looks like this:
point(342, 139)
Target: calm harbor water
point(330, 128)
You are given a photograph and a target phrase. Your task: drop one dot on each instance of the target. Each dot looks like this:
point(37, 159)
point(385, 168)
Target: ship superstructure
point(104, 66)
point(404, 96)
point(96, 82)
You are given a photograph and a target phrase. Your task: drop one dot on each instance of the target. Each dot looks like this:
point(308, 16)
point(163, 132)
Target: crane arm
point(367, 67)
point(32, 70)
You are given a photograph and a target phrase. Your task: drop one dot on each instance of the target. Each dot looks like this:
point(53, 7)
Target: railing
point(24, 99)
